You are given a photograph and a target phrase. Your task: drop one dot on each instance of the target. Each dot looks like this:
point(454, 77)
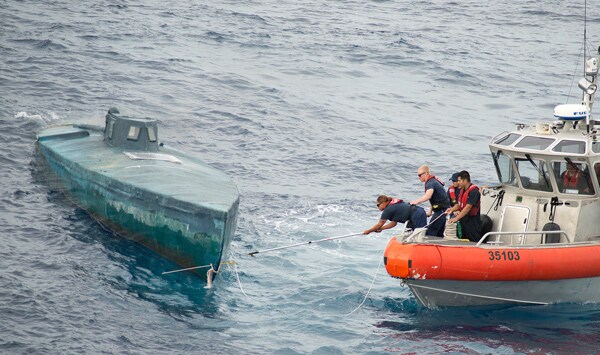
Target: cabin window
point(534, 174)
point(596, 147)
point(111, 125)
point(151, 134)
point(504, 169)
point(508, 139)
point(134, 133)
point(571, 147)
point(573, 177)
point(535, 143)
point(597, 171)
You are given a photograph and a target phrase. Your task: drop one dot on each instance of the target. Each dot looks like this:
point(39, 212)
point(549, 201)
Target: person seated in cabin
point(468, 208)
point(573, 180)
point(397, 211)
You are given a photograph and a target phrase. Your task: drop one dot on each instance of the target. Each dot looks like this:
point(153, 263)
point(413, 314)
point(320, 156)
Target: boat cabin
point(550, 181)
point(137, 134)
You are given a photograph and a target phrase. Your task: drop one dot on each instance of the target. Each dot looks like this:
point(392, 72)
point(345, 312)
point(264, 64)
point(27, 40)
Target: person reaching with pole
point(397, 211)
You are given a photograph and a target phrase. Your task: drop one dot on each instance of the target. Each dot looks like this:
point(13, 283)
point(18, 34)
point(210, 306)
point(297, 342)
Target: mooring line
point(370, 287)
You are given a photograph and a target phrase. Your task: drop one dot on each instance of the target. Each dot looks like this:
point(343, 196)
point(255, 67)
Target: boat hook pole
point(304, 243)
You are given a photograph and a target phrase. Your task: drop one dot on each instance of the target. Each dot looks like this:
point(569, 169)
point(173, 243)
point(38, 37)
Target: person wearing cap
point(469, 203)
point(454, 190)
point(453, 231)
point(397, 211)
point(436, 195)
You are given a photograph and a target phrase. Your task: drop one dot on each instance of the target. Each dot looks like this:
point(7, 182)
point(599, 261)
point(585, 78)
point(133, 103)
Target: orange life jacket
point(464, 197)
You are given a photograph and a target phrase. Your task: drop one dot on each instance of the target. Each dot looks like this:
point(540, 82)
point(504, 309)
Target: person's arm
point(423, 198)
point(464, 212)
point(375, 227)
point(452, 209)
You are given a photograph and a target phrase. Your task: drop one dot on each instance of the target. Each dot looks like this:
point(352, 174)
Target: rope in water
point(370, 287)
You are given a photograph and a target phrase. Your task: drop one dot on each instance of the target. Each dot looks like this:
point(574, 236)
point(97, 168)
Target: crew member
point(436, 195)
point(468, 207)
point(396, 210)
point(453, 191)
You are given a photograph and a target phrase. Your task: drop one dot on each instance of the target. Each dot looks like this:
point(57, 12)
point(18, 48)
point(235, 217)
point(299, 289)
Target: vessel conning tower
point(138, 134)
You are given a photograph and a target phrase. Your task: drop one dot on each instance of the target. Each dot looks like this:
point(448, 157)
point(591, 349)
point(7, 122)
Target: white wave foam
point(44, 119)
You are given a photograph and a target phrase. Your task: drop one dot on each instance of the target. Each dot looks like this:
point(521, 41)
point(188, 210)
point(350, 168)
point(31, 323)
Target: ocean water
point(314, 108)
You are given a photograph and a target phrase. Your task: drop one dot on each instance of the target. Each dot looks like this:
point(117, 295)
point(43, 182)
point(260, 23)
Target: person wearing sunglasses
point(397, 211)
point(436, 195)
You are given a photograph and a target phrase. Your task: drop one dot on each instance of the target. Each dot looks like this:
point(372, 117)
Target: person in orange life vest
point(468, 207)
point(453, 190)
point(573, 179)
point(436, 195)
point(396, 210)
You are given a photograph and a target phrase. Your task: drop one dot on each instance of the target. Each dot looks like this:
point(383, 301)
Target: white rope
point(370, 287)
point(238, 279)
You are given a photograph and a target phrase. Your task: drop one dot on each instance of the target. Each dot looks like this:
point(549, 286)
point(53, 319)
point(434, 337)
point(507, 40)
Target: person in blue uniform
point(436, 195)
point(397, 211)
point(468, 208)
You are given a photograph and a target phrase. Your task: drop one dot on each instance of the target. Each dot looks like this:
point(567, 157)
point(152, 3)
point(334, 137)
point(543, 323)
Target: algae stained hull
point(166, 200)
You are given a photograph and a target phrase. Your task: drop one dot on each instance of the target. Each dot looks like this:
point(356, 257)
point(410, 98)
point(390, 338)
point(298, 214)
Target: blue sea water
point(314, 108)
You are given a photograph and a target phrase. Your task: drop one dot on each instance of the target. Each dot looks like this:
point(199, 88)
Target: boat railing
point(522, 237)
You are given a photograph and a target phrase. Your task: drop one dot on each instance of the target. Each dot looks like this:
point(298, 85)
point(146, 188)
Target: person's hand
point(366, 232)
point(414, 203)
point(429, 213)
point(452, 220)
point(378, 231)
point(448, 211)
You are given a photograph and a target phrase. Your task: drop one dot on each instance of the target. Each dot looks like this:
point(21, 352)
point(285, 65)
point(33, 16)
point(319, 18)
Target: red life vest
point(571, 182)
point(464, 197)
point(432, 177)
point(395, 201)
point(452, 192)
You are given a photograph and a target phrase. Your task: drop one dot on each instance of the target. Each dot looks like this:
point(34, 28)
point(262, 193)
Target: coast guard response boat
point(542, 244)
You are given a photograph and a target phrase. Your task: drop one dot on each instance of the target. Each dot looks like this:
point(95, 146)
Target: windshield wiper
point(538, 169)
point(496, 156)
point(570, 162)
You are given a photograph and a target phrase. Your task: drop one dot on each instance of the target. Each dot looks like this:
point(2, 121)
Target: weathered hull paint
point(190, 235)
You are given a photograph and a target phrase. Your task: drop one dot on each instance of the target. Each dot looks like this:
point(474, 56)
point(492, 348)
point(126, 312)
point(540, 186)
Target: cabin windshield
point(573, 177)
point(504, 168)
point(534, 174)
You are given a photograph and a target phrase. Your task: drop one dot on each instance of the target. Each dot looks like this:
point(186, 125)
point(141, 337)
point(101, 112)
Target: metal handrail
point(513, 234)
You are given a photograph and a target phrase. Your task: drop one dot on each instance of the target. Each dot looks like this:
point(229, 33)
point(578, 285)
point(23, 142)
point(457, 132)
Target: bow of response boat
point(167, 200)
point(542, 244)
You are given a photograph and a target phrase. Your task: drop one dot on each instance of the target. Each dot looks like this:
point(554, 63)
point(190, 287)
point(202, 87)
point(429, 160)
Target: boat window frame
point(557, 175)
point(512, 180)
point(133, 133)
point(502, 140)
point(570, 140)
point(151, 134)
point(110, 128)
point(525, 180)
point(525, 138)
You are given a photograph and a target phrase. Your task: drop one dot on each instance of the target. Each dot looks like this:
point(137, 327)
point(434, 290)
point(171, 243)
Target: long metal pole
point(304, 243)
